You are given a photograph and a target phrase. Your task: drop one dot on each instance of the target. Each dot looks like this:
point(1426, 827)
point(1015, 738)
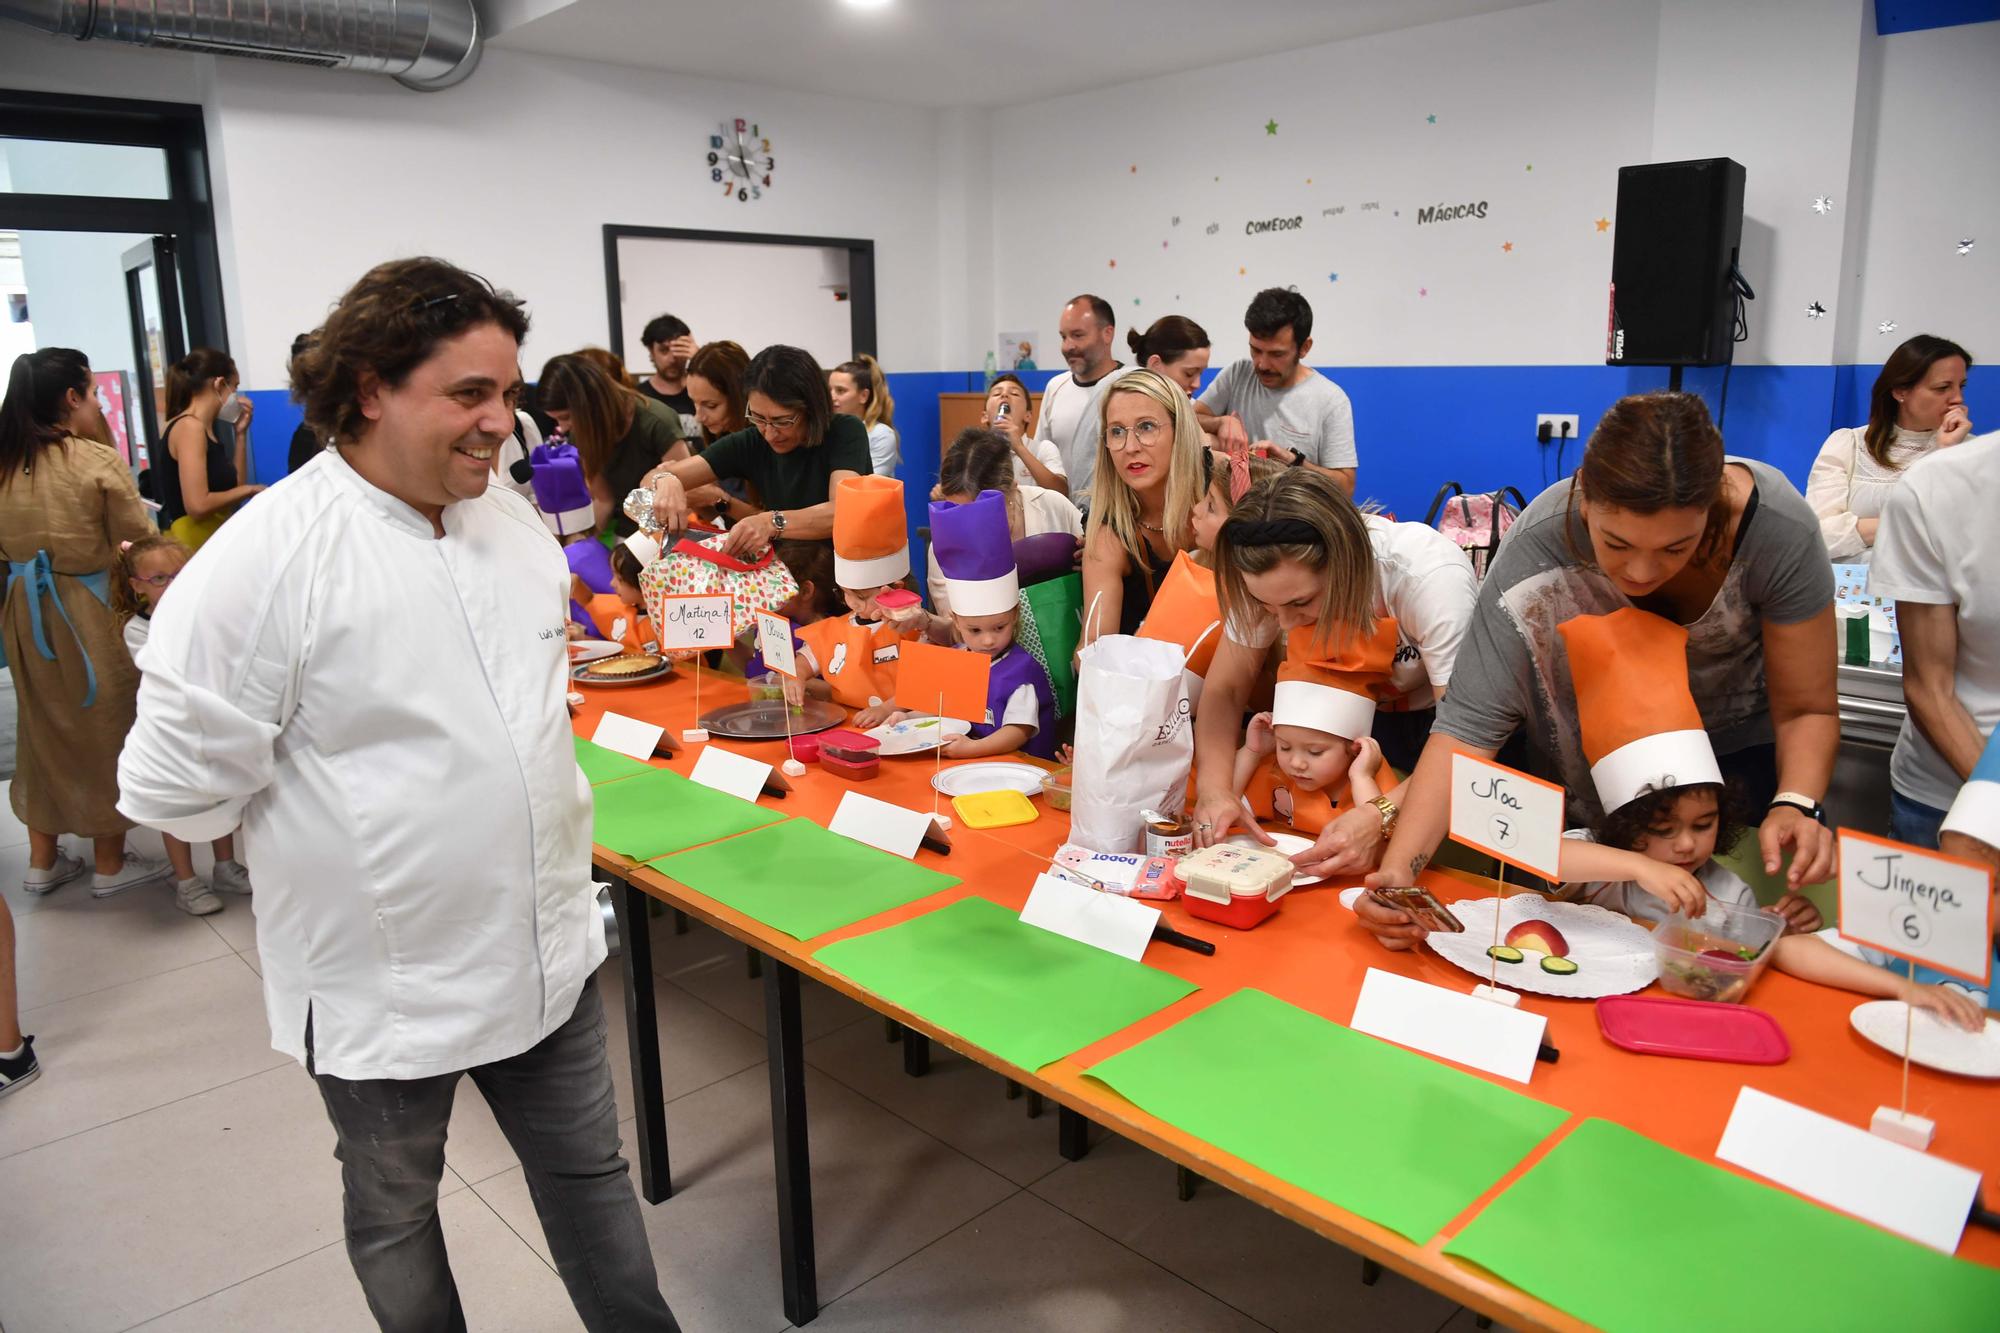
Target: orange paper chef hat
point(1334, 689)
point(1641, 729)
point(871, 544)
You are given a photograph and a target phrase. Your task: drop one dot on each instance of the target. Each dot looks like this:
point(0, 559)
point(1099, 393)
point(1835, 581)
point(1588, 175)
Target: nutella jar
point(1171, 837)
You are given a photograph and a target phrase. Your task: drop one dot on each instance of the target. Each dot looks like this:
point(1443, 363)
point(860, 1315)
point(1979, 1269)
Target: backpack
point(1475, 523)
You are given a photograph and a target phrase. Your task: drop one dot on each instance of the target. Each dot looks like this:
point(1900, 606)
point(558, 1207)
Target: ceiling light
point(866, 4)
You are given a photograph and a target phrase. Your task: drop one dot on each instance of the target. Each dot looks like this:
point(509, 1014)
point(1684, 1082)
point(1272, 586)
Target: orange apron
point(1183, 609)
point(626, 626)
point(1272, 796)
point(858, 662)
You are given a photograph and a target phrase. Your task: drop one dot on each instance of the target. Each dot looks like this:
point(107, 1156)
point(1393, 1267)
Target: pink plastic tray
point(1693, 1030)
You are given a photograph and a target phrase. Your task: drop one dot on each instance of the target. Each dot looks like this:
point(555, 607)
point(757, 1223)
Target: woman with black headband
point(1296, 558)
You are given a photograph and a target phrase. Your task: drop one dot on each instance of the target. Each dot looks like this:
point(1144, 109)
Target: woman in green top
point(794, 453)
point(618, 434)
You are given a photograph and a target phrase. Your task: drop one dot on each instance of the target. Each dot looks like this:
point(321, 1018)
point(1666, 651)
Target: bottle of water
point(992, 368)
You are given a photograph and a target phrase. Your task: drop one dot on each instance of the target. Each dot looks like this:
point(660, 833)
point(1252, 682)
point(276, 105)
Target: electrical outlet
point(1555, 422)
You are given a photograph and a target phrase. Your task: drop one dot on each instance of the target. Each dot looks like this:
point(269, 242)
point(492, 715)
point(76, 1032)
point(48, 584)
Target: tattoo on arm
point(1418, 862)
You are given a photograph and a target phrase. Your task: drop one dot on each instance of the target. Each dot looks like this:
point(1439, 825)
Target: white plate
point(919, 735)
point(1613, 954)
point(593, 650)
point(969, 778)
point(1934, 1043)
point(1291, 844)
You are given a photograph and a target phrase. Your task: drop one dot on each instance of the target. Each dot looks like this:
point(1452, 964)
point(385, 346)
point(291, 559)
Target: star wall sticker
point(1965, 246)
point(1135, 168)
point(1506, 247)
point(1886, 326)
point(1815, 311)
point(1270, 127)
point(1430, 120)
point(1240, 270)
point(1333, 277)
point(1531, 166)
point(1423, 291)
point(1114, 263)
point(1604, 224)
point(1822, 204)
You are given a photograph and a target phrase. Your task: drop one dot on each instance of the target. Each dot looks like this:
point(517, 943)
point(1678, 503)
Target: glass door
point(159, 336)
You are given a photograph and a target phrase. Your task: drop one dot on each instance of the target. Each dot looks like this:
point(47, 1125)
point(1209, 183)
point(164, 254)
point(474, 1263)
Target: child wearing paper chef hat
point(975, 553)
point(620, 615)
point(1311, 756)
point(1669, 811)
point(856, 654)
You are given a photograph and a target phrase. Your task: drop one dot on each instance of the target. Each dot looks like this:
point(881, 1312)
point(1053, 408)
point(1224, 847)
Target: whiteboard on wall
point(752, 292)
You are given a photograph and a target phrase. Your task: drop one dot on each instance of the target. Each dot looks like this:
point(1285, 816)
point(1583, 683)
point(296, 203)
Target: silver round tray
point(764, 720)
point(579, 675)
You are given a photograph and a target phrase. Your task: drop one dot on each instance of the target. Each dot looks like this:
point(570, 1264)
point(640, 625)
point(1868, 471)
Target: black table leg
point(916, 1053)
point(1072, 1134)
point(1184, 1183)
point(1371, 1272)
point(642, 1033)
point(892, 1031)
point(785, 1048)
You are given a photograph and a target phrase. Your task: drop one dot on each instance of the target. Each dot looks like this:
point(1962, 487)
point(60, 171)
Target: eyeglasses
point(762, 422)
point(1144, 435)
point(157, 580)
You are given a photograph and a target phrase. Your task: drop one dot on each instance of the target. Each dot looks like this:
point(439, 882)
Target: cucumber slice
point(1505, 953)
point(1561, 967)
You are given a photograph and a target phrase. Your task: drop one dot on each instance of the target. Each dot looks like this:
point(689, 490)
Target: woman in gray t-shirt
point(1659, 518)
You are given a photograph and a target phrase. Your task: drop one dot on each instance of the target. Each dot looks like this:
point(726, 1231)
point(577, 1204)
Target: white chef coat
point(382, 711)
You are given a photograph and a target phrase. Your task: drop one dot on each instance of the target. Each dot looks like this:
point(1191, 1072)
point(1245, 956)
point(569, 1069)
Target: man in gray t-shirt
point(1275, 399)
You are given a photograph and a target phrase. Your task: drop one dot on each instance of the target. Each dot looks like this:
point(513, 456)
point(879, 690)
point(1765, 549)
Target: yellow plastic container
point(994, 809)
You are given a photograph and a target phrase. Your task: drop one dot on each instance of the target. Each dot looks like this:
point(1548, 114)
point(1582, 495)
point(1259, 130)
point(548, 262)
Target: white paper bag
point(1134, 739)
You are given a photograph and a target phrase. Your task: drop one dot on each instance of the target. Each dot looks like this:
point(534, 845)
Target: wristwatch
point(1804, 804)
point(777, 523)
point(1298, 459)
point(1388, 810)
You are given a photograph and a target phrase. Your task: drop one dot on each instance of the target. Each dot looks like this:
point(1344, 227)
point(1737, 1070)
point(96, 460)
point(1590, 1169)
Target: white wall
point(318, 175)
point(1931, 136)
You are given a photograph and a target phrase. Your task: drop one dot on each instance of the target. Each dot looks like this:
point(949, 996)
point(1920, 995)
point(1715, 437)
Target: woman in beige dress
point(66, 502)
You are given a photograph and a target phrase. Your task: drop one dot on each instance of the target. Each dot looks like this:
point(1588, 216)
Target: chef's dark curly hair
point(388, 324)
point(1627, 826)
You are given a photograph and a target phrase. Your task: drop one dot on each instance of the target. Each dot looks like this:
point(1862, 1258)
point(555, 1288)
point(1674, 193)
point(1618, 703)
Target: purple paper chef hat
point(560, 491)
point(975, 553)
point(589, 561)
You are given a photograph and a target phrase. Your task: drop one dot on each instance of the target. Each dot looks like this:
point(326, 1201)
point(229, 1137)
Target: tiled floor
point(171, 1172)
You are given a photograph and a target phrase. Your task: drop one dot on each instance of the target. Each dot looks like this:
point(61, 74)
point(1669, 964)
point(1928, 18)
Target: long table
point(1313, 955)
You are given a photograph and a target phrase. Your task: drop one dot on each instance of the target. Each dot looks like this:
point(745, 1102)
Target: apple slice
point(1539, 936)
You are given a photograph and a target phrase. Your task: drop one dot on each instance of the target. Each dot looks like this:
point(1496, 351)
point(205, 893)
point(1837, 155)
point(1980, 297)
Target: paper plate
point(921, 735)
point(1613, 954)
point(1291, 844)
point(1934, 1043)
point(593, 650)
point(967, 779)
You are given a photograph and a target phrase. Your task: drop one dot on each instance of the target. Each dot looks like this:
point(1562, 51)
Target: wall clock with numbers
point(740, 161)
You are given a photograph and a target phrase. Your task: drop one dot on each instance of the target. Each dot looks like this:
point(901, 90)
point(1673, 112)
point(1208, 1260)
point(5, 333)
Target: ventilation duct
point(425, 44)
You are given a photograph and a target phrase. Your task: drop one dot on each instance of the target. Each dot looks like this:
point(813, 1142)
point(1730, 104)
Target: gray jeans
point(554, 1103)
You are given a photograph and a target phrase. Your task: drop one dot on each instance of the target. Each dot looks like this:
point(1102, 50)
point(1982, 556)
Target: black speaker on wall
point(1679, 226)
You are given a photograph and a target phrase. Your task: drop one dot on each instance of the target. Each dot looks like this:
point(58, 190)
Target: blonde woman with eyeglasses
point(1148, 481)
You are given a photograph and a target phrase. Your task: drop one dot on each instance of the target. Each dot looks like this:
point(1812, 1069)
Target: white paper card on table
point(1449, 1024)
point(1114, 924)
point(627, 735)
point(1917, 904)
point(1507, 814)
point(1844, 1166)
point(774, 643)
point(695, 622)
point(727, 771)
point(892, 828)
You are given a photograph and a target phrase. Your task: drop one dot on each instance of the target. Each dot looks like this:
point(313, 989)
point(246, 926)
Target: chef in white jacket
point(366, 670)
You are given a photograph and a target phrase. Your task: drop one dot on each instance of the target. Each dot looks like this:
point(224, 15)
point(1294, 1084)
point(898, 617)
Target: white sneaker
point(138, 870)
point(65, 869)
point(230, 877)
point(192, 896)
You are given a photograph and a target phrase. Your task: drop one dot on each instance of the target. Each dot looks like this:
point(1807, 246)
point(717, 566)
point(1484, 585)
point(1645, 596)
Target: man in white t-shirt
point(1935, 553)
point(1277, 403)
point(1069, 401)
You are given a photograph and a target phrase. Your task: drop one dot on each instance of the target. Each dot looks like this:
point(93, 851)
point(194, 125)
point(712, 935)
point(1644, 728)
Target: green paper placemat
point(1378, 1130)
point(602, 765)
point(661, 811)
point(1625, 1233)
point(801, 879)
point(1028, 996)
